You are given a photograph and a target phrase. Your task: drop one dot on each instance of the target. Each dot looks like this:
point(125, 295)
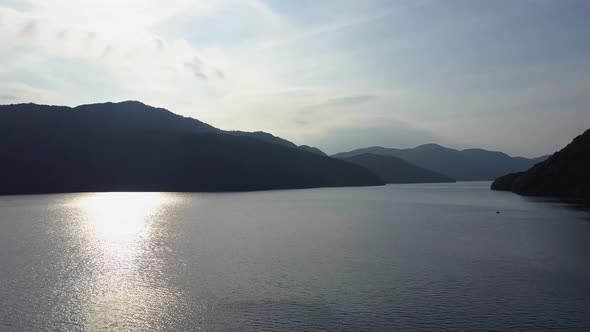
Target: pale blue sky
point(509, 75)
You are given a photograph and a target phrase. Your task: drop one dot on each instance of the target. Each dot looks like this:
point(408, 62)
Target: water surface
point(406, 257)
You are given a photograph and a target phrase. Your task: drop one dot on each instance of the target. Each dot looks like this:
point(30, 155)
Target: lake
point(404, 257)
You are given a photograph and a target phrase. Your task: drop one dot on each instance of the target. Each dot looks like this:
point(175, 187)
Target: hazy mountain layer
point(465, 165)
point(395, 170)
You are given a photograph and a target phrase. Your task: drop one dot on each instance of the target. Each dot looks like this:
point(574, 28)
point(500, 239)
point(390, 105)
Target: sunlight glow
point(120, 224)
point(119, 218)
point(121, 232)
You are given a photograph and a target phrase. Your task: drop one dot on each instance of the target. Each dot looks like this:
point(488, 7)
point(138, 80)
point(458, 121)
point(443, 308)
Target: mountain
point(119, 114)
point(462, 165)
point(312, 149)
point(158, 117)
point(565, 174)
point(270, 138)
point(504, 182)
point(265, 137)
point(395, 170)
point(130, 146)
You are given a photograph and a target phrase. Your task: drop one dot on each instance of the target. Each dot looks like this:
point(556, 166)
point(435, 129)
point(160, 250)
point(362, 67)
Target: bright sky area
point(504, 75)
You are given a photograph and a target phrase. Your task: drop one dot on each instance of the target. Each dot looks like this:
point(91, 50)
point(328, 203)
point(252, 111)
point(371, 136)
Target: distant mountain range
point(130, 146)
point(395, 170)
point(565, 174)
point(461, 165)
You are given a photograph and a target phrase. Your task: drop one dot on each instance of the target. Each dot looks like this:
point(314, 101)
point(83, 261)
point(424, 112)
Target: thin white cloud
point(241, 65)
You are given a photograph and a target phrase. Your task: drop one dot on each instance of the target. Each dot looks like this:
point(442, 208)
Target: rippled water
point(415, 257)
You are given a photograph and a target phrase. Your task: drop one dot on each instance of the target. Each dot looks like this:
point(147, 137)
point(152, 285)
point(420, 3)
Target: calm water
point(406, 257)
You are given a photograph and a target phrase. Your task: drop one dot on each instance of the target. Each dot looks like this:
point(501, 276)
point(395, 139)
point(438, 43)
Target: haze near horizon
point(339, 75)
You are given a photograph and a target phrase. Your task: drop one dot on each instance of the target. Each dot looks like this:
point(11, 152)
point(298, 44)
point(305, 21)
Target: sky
point(506, 75)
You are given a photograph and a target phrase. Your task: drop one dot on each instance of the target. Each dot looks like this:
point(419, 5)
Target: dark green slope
point(565, 174)
point(60, 149)
point(395, 170)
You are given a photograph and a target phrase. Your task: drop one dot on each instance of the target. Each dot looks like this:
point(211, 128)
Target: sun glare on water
point(122, 234)
point(121, 217)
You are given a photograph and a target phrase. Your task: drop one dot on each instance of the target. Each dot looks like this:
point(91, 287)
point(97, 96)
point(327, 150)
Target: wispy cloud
point(316, 73)
point(30, 28)
point(349, 100)
point(196, 66)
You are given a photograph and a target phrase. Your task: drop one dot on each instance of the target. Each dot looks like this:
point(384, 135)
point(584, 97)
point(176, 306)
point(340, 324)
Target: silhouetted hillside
point(265, 137)
point(133, 147)
point(465, 165)
point(504, 183)
point(270, 138)
point(395, 170)
point(565, 174)
point(312, 149)
point(137, 115)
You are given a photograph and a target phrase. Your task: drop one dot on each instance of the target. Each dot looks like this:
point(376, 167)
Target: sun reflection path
point(120, 216)
point(119, 221)
point(121, 231)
